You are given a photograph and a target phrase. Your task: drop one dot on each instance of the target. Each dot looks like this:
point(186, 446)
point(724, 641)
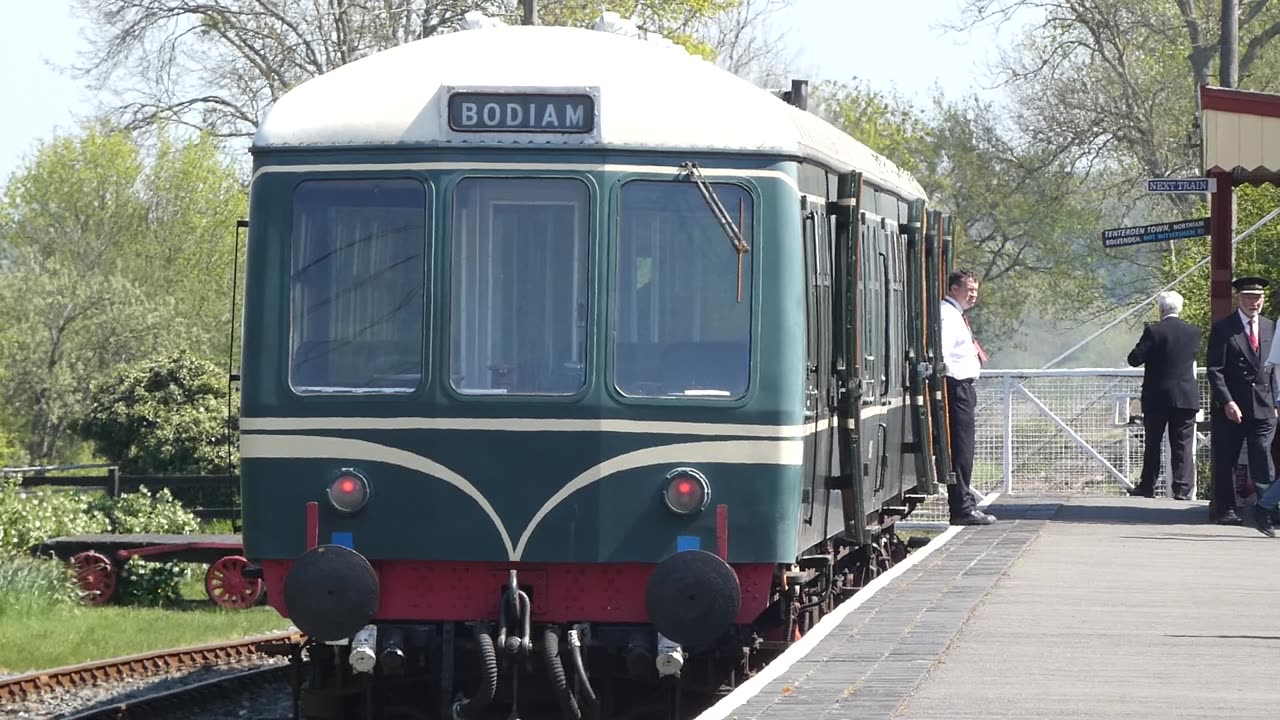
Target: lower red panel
point(432, 591)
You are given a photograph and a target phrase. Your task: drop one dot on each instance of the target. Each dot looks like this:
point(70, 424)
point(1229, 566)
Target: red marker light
point(687, 492)
point(349, 492)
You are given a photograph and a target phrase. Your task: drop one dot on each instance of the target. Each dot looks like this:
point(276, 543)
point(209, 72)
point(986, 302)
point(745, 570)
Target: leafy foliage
point(29, 517)
point(112, 257)
point(1027, 219)
point(217, 66)
point(164, 415)
point(145, 582)
point(29, 584)
point(1258, 254)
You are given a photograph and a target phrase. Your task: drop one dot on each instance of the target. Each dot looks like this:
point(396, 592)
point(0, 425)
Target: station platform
point(1065, 608)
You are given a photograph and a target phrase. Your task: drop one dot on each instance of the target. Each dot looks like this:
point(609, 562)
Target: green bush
point(144, 582)
point(166, 415)
point(29, 517)
point(29, 583)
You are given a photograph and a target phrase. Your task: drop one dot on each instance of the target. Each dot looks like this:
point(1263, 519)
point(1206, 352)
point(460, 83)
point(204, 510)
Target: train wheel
point(96, 577)
point(227, 587)
point(897, 548)
point(879, 555)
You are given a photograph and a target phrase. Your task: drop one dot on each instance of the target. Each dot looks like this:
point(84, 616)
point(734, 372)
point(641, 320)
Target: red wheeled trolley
point(97, 560)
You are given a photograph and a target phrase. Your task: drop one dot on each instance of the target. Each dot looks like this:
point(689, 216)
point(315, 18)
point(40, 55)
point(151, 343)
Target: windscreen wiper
point(718, 210)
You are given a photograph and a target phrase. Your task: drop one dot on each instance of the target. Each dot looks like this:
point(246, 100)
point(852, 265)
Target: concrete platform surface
point(1121, 608)
point(1065, 608)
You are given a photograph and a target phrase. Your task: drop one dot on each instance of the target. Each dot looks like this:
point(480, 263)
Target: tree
point(1258, 254)
point(113, 256)
point(1112, 85)
point(218, 65)
point(163, 415)
point(1026, 217)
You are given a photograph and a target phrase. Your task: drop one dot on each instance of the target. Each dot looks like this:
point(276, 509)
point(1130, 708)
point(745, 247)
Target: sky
point(894, 46)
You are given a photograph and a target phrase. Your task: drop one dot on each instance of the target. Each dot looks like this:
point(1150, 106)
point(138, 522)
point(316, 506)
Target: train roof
point(651, 95)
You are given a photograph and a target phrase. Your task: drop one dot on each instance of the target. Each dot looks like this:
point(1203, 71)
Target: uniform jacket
point(1236, 373)
point(1168, 349)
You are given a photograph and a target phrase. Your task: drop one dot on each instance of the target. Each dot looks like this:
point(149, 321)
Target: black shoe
point(1182, 496)
point(1262, 520)
point(1140, 491)
point(973, 517)
point(1229, 518)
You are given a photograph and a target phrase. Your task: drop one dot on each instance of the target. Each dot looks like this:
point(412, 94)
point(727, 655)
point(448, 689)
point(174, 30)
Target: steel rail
point(32, 685)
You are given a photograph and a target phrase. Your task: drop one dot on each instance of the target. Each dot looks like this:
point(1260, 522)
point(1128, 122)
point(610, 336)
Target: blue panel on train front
point(688, 542)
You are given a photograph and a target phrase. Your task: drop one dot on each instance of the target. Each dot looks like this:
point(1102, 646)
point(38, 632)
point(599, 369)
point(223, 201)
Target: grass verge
point(42, 626)
point(67, 635)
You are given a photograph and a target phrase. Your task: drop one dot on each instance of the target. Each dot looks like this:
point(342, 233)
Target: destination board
point(1179, 230)
point(522, 112)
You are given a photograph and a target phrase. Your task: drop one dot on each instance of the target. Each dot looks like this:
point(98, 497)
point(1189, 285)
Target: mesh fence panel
point(1062, 432)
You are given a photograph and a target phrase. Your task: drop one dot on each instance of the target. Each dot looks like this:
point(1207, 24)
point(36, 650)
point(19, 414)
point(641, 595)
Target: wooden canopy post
point(1221, 229)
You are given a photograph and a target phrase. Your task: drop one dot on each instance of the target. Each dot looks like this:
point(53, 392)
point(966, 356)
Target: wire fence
point(1063, 432)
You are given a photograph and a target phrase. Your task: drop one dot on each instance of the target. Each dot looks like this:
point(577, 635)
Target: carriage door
point(937, 270)
point(875, 351)
point(918, 355)
point(819, 390)
point(848, 321)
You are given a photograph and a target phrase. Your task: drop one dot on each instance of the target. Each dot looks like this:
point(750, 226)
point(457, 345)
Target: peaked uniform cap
point(1250, 284)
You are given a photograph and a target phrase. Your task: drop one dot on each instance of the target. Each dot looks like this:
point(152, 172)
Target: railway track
point(176, 703)
point(33, 686)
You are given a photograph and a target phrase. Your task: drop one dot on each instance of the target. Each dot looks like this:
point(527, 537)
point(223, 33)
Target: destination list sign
point(1161, 232)
point(525, 112)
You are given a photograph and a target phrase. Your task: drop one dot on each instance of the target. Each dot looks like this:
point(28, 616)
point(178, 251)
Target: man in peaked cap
point(1244, 406)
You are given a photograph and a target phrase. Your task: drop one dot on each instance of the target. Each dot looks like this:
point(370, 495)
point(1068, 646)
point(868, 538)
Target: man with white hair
point(1170, 395)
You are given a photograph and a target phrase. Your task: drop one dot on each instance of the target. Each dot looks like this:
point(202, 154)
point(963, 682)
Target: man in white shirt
point(963, 357)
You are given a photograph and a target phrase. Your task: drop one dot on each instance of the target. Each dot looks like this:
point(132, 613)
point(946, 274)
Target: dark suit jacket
point(1235, 370)
point(1168, 349)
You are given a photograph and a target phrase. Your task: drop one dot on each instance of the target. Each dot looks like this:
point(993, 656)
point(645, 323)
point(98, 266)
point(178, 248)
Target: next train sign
point(522, 112)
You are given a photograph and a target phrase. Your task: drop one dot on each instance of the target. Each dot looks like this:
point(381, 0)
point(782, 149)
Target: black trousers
point(1182, 426)
point(1226, 439)
point(962, 401)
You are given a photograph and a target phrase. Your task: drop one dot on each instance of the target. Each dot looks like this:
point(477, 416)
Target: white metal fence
point(1062, 432)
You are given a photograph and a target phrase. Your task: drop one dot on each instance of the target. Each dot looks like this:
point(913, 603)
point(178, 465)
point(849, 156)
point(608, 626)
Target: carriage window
point(519, 286)
point(683, 324)
point(357, 286)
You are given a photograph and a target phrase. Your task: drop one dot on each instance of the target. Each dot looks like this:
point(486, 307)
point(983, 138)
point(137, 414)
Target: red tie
point(1253, 336)
point(982, 357)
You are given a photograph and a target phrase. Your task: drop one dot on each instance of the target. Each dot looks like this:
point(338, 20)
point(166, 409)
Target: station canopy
point(1241, 133)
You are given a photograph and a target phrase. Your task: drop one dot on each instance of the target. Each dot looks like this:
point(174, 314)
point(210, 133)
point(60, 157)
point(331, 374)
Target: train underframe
point(509, 665)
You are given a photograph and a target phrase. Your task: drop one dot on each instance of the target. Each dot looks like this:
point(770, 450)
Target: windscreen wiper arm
point(731, 230)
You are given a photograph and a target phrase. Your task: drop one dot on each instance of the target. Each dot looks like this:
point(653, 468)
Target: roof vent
point(476, 20)
point(798, 95)
point(612, 22)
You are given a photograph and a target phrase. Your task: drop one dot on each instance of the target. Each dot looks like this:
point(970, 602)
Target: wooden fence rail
point(114, 483)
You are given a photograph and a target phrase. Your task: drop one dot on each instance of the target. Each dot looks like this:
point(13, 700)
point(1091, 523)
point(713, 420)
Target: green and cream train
point(572, 363)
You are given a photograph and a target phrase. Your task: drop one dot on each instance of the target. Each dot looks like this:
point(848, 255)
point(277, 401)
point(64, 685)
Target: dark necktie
point(982, 357)
point(1253, 335)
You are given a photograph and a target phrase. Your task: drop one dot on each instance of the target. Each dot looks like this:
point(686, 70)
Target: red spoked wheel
point(96, 577)
point(227, 586)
